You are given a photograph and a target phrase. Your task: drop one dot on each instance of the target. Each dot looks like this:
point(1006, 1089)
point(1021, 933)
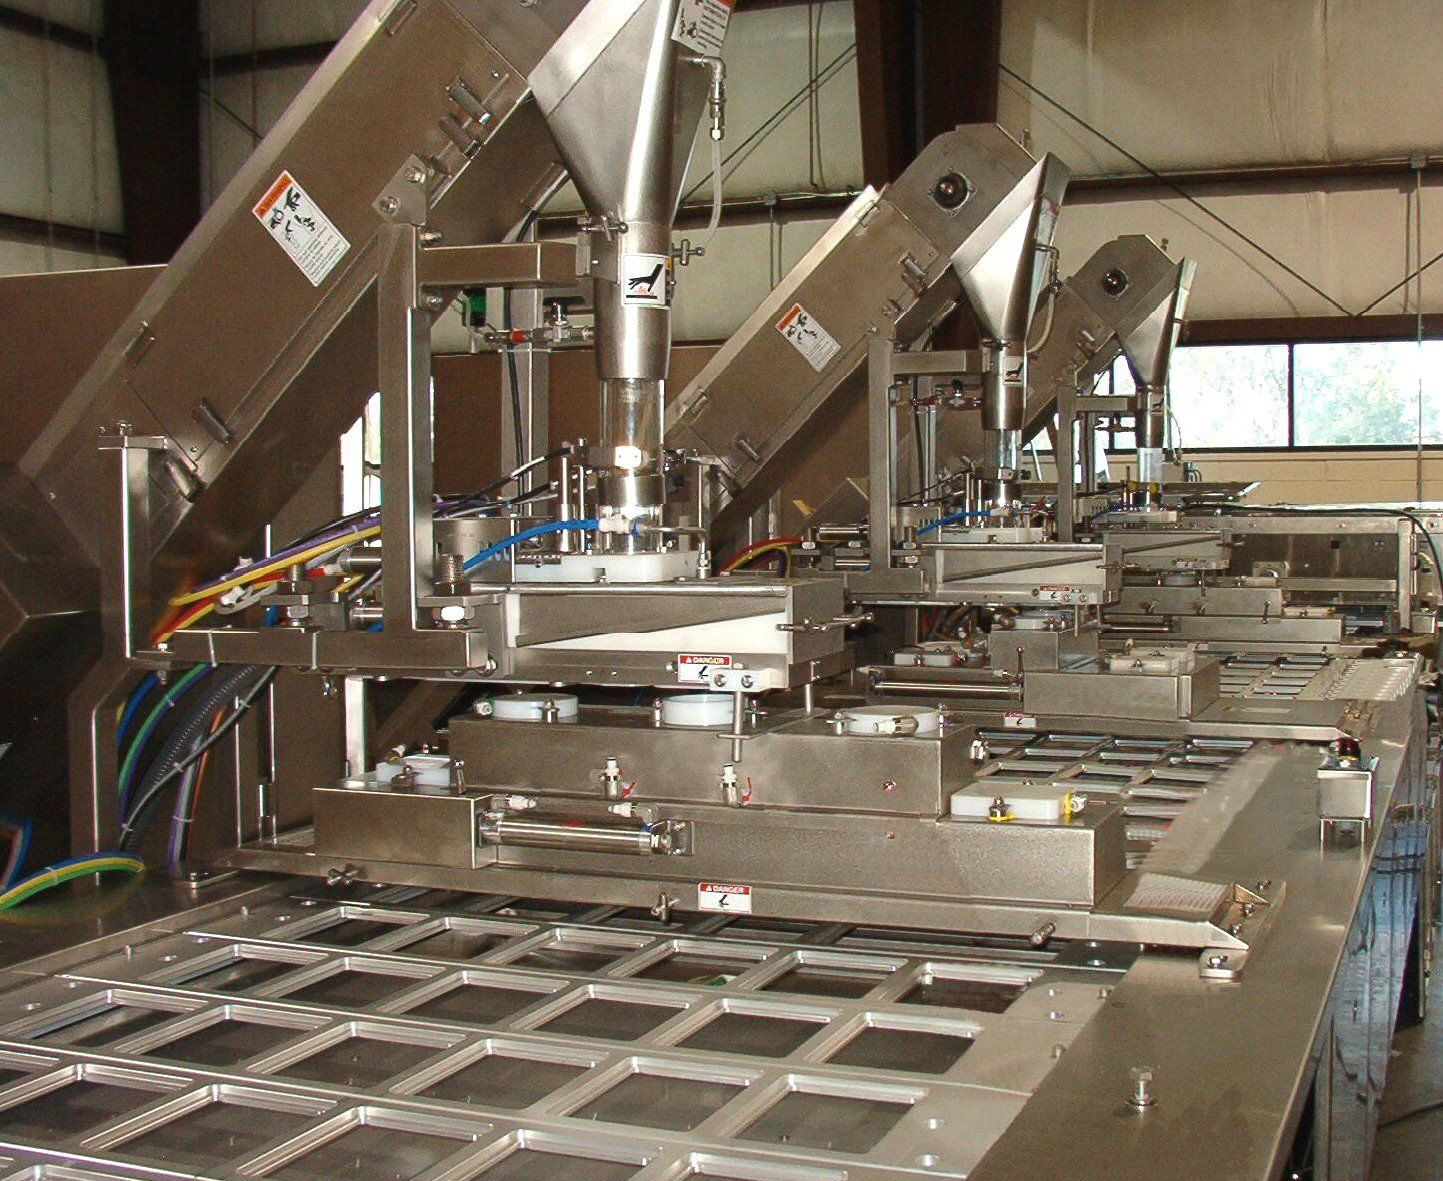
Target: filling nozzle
point(1149, 426)
point(1004, 384)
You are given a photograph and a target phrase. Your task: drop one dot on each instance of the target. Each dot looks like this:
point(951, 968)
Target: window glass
point(1361, 394)
point(1122, 382)
point(1230, 396)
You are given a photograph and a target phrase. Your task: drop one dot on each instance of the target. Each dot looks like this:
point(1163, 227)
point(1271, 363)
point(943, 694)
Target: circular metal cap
point(1115, 281)
point(951, 191)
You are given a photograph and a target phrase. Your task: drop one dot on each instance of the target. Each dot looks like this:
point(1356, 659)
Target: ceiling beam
point(152, 54)
point(33, 229)
point(1240, 179)
point(887, 86)
point(314, 52)
point(1309, 329)
point(959, 44)
point(16, 21)
point(923, 67)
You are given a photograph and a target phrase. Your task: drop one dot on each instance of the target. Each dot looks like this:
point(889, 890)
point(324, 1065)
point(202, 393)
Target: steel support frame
point(885, 365)
point(923, 67)
point(404, 359)
point(1075, 406)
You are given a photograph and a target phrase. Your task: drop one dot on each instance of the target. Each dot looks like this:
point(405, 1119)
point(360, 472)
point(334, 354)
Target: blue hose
point(132, 707)
point(952, 520)
point(585, 525)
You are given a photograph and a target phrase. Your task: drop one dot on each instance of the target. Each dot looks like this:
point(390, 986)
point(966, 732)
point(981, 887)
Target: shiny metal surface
point(497, 1036)
point(754, 398)
point(489, 1022)
point(1030, 928)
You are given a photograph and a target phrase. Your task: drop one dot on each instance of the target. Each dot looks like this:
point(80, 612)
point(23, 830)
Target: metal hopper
point(622, 97)
point(1003, 268)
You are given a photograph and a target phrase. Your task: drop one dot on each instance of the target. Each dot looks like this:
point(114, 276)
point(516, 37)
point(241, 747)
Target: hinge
point(142, 340)
point(913, 274)
point(399, 14)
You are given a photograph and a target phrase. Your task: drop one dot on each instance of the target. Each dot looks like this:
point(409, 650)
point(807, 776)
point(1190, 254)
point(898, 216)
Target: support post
point(404, 356)
point(1064, 450)
point(881, 451)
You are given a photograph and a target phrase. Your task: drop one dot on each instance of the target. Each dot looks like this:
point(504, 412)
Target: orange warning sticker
point(303, 231)
point(815, 343)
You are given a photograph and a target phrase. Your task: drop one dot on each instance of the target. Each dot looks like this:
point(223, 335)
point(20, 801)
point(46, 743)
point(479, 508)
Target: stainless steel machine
point(919, 856)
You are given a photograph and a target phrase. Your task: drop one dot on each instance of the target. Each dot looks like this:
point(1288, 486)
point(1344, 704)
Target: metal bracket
point(808, 627)
point(405, 199)
point(913, 274)
point(1222, 964)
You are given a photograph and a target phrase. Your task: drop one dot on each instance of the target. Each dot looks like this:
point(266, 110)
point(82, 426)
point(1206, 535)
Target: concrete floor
point(1412, 1148)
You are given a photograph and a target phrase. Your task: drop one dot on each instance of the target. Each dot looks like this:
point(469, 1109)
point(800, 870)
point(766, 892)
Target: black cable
point(780, 114)
point(1406, 279)
point(166, 769)
point(518, 439)
point(1176, 188)
point(189, 728)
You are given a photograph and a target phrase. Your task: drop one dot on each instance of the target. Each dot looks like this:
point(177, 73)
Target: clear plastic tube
point(716, 193)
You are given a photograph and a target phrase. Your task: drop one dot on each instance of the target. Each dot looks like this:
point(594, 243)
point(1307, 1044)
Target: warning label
point(695, 668)
point(643, 280)
point(732, 899)
point(808, 337)
point(304, 232)
point(1015, 719)
point(701, 25)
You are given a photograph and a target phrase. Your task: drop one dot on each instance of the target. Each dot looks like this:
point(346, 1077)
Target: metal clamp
point(808, 627)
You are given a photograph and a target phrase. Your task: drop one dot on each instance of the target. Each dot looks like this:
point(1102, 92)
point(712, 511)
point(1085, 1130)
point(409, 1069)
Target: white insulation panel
point(239, 26)
point(57, 141)
point(1182, 86)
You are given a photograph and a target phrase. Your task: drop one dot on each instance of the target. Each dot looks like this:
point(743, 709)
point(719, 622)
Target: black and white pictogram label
point(304, 232)
point(701, 25)
point(808, 337)
point(643, 280)
point(722, 896)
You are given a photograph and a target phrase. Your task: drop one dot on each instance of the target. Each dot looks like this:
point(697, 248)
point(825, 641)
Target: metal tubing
point(937, 689)
point(572, 836)
point(1004, 390)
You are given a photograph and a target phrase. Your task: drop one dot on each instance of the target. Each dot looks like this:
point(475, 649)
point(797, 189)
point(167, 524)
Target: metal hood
point(1129, 282)
point(622, 107)
point(1003, 265)
point(1148, 339)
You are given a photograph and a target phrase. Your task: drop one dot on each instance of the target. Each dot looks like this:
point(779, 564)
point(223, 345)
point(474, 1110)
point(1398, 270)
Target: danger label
point(696, 668)
point(643, 280)
point(808, 337)
point(701, 25)
point(304, 232)
point(716, 896)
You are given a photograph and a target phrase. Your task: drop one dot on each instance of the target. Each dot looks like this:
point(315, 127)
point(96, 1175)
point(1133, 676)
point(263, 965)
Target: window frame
point(1292, 445)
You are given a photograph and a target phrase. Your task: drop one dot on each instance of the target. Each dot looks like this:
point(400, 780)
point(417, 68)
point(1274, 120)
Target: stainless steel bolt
point(1142, 1095)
